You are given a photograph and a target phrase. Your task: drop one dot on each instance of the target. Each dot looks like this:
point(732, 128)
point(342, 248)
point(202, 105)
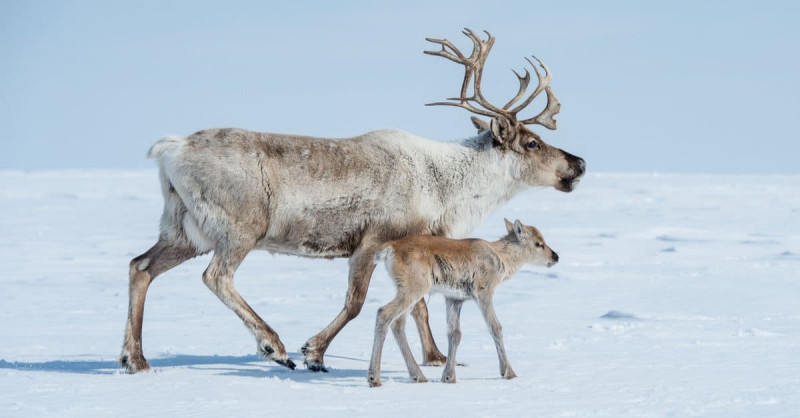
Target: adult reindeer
point(231, 191)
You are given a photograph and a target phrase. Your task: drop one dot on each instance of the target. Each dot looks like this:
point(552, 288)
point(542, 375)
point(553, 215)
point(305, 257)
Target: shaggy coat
point(231, 191)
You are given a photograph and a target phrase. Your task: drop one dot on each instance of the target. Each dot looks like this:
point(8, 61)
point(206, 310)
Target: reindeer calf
point(461, 270)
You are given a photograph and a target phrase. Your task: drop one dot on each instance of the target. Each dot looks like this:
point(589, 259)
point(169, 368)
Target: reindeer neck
point(480, 179)
point(510, 251)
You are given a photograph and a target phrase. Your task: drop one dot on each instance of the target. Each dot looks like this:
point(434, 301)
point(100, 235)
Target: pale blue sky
point(644, 86)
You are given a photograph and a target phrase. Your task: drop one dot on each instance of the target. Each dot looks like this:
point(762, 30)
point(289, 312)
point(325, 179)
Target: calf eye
point(539, 245)
point(532, 145)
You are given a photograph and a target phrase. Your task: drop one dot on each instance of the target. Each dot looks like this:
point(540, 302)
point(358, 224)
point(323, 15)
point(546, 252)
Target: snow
point(675, 295)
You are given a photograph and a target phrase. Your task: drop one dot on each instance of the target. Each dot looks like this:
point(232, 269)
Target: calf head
point(531, 242)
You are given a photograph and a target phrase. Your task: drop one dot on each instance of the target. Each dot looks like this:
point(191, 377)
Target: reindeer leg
point(361, 266)
point(431, 356)
point(219, 278)
point(143, 270)
point(487, 308)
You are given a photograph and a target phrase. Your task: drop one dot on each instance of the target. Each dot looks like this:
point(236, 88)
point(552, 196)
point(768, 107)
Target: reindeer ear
point(502, 130)
point(509, 226)
point(480, 124)
point(519, 230)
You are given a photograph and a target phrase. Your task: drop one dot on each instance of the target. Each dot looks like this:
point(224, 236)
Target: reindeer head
point(531, 242)
point(543, 165)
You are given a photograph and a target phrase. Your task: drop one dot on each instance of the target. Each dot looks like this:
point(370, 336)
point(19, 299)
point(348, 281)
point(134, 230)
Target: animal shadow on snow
point(245, 366)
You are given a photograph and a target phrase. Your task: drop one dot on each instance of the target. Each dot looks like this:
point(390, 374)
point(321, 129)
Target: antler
point(473, 67)
point(545, 118)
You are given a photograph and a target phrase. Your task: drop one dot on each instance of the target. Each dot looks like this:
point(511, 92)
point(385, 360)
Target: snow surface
point(675, 295)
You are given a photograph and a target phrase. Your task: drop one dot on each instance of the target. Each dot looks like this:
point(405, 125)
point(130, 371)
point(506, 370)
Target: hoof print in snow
point(620, 315)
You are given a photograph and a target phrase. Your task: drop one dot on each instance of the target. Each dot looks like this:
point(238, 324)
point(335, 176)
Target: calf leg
point(219, 278)
point(487, 308)
point(386, 315)
point(361, 266)
point(431, 356)
point(399, 331)
point(143, 270)
point(453, 339)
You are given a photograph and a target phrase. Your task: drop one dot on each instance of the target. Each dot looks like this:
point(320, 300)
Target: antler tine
point(477, 44)
point(523, 85)
point(477, 60)
point(464, 105)
point(472, 64)
point(455, 56)
point(546, 117)
point(544, 81)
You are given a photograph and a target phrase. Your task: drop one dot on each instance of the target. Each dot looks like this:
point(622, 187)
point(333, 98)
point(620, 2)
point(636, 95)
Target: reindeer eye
point(532, 145)
point(539, 245)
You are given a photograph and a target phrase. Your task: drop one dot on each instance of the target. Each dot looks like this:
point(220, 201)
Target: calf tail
point(386, 252)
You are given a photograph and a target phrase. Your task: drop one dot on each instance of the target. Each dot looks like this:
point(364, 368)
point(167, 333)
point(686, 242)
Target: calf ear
point(480, 124)
point(509, 226)
point(519, 231)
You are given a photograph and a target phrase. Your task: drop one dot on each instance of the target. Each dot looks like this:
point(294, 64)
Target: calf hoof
point(419, 379)
point(449, 379)
point(373, 381)
point(279, 357)
point(286, 363)
point(134, 363)
point(312, 359)
point(509, 374)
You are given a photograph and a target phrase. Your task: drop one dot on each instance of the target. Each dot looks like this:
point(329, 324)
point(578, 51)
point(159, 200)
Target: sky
point(686, 87)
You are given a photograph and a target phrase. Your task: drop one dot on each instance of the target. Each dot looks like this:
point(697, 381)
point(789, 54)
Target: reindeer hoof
point(281, 358)
point(266, 350)
point(287, 363)
point(316, 366)
point(134, 363)
point(312, 361)
point(448, 379)
point(373, 381)
point(419, 379)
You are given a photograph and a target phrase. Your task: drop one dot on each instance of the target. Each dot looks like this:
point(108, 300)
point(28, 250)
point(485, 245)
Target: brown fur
point(461, 269)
